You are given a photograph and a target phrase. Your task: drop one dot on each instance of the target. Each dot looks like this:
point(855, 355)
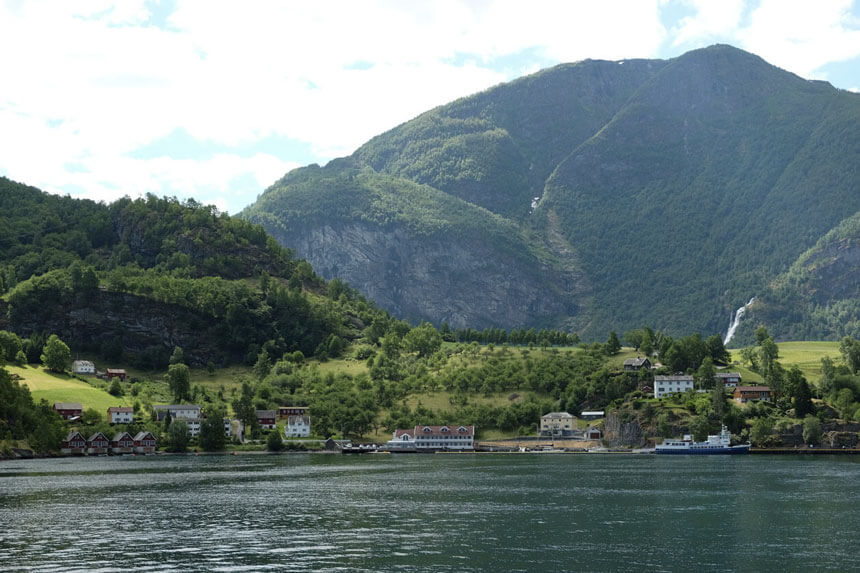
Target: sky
point(217, 100)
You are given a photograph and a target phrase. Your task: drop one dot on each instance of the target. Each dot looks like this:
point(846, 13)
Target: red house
point(98, 444)
point(122, 443)
point(746, 393)
point(266, 419)
point(144, 443)
point(115, 373)
point(287, 411)
point(74, 443)
point(68, 410)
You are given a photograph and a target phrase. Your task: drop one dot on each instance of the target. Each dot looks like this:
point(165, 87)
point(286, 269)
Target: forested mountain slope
point(132, 280)
point(664, 193)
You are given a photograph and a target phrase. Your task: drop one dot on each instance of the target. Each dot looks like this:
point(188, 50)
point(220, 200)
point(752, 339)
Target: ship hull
point(734, 450)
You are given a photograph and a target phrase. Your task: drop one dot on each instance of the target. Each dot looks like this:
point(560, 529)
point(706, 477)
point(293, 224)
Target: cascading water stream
point(736, 319)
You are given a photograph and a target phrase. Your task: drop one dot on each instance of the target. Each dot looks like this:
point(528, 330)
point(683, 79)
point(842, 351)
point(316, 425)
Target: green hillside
point(653, 192)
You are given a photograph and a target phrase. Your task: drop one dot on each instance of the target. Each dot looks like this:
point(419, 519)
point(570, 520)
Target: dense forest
point(133, 279)
point(661, 192)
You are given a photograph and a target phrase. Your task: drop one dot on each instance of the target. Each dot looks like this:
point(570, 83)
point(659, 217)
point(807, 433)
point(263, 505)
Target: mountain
point(589, 196)
point(134, 279)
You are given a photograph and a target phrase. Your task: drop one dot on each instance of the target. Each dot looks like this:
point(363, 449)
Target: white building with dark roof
point(675, 384)
point(432, 438)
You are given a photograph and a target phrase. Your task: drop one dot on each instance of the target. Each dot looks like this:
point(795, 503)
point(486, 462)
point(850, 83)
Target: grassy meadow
point(64, 388)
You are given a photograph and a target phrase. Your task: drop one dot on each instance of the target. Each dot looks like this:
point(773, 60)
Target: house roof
point(306, 420)
point(176, 407)
point(727, 375)
point(142, 435)
point(73, 435)
point(68, 406)
point(96, 436)
point(453, 429)
point(83, 363)
point(592, 413)
point(558, 415)
point(116, 371)
point(638, 361)
point(674, 378)
point(265, 413)
point(752, 389)
point(120, 410)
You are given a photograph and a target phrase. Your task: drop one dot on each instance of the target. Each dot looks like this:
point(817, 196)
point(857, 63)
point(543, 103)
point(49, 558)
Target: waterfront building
point(74, 443)
point(98, 444)
point(431, 438)
point(298, 427)
point(557, 424)
point(144, 443)
point(122, 443)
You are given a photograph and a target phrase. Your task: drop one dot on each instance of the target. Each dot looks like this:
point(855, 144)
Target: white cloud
point(91, 82)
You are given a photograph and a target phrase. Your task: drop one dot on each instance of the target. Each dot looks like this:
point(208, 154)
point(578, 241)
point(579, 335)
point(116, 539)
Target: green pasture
point(63, 388)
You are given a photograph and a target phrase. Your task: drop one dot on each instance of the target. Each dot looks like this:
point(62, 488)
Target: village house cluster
point(98, 444)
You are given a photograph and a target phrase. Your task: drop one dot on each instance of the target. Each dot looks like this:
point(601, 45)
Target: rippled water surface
point(430, 513)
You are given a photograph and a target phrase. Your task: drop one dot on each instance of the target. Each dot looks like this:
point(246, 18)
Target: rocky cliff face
point(117, 322)
point(463, 282)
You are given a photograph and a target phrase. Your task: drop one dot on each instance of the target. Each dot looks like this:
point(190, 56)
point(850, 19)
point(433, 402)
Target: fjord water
point(430, 513)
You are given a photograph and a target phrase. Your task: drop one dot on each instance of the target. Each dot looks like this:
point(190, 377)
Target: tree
point(243, 406)
point(803, 405)
point(177, 436)
point(179, 379)
point(423, 339)
point(706, 375)
point(850, 350)
point(613, 345)
point(178, 356)
point(212, 438)
point(718, 401)
point(262, 366)
point(115, 388)
point(91, 417)
point(811, 430)
point(700, 428)
point(716, 349)
point(56, 354)
point(760, 431)
point(274, 443)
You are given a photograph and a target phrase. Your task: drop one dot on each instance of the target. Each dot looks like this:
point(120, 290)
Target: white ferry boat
point(718, 444)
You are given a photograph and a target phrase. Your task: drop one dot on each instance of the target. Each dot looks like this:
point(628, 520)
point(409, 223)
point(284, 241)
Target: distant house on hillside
point(120, 415)
point(83, 367)
point(636, 364)
point(188, 413)
point(115, 373)
point(675, 384)
point(69, 410)
point(729, 379)
point(267, 419)
point(747, 393)
point(286, 411)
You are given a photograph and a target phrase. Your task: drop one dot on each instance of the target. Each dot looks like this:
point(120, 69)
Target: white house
point(430, 438)
point(83, 367)
point(678, 383)
point(557, 424)
point(120, 415)
point(297, 427)
point(188, 413)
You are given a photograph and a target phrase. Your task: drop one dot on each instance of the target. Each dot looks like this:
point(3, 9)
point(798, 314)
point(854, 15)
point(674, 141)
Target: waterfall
point(736, 319)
